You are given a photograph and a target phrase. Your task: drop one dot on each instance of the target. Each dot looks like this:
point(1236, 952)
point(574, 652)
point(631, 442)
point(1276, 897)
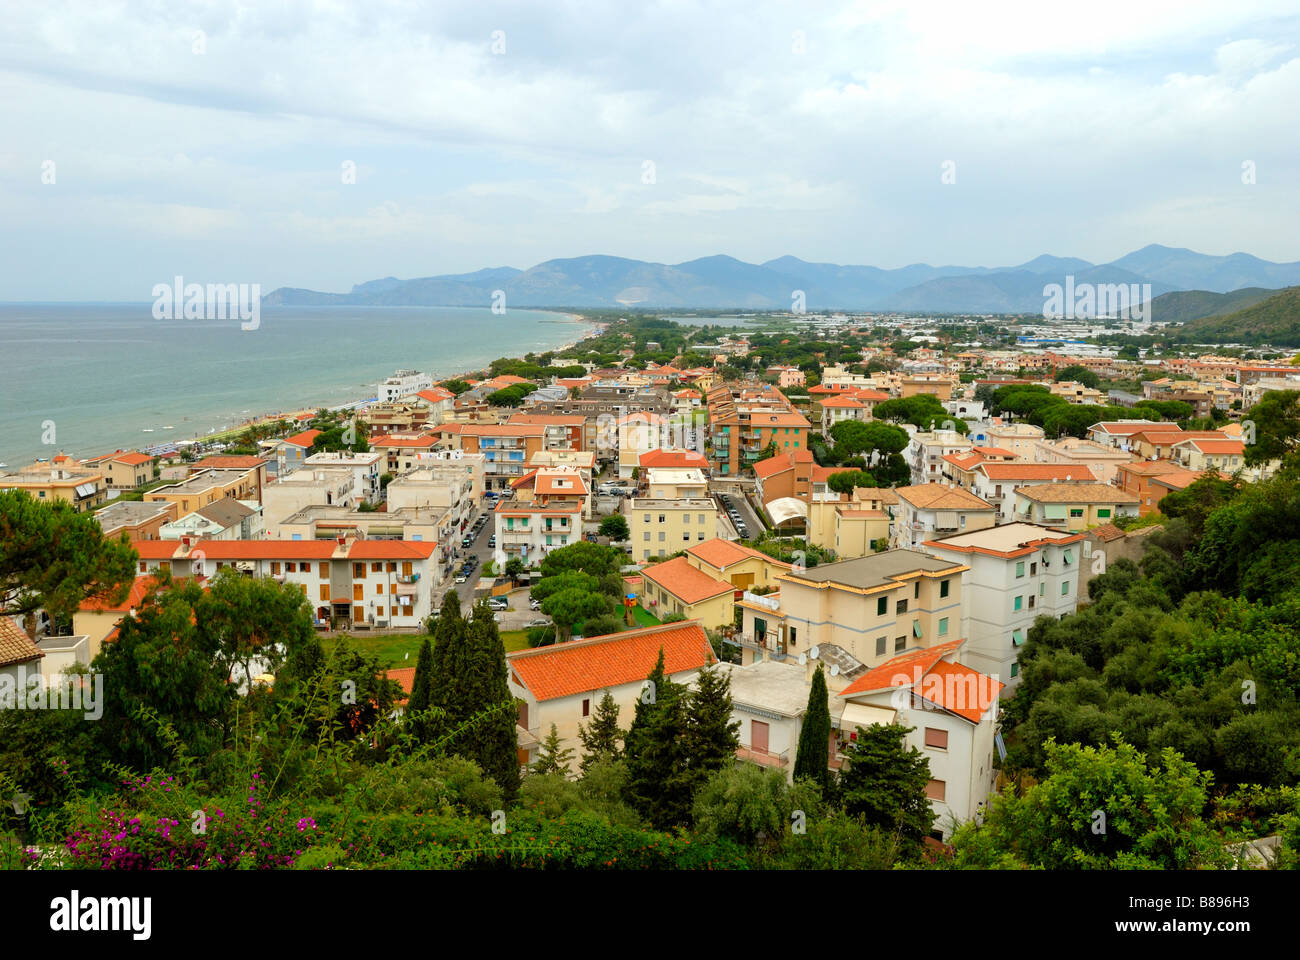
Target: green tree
point(552, 756)
point(885, 783)
point(601, 738)
point(515, 568)
point(53, 558)
point(845, 481)
point(659, 783)
point(1276, 420)
point(812, 759)
point(712, 735)
point(615, 527)
point(1076, 373)
point(571, 606)
point(421, 698)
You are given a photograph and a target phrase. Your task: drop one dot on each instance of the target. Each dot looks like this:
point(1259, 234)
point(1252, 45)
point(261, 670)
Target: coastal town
point(851, 526)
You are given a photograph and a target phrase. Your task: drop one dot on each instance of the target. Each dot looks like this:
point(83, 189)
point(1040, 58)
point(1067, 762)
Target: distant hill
point(1274, 321)
point(722, 282)
point(1182, 306)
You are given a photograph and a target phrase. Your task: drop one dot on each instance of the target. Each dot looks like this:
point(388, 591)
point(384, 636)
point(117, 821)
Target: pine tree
point(551, 758)
point(885, 782)
point(811, 761)
point(712, 736)
point(600, 738)
point(659, 778)
point(447, 626)
point(422, 691)
point(493, 743)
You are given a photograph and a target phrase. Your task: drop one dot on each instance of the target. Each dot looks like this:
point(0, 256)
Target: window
point(358, 570)
point(662, 517)
point(586, 708)
point(900, 644)
point(1033, 569)
point(882, 606)
point(325, 591)
point(702, 519)
point(1020, 569)
point(1019, 603)
point(647, 536)
point(916, 628)
point(793, 633)
point(943, 587)
point(662, 536)
point(291, 568)
point(1076, 512)
point(323, 568)
point(275, 567)
point(1065, 588)
point(1103, 513)
point(1069, 556)
point(377, 567)
point(686, 536)
point(943, 627)
point(916, 590)
point(936, 739)
point(647, 518)
point(1032, 598)
point(935, 789)
point(901, 606)
point(1017, 637)
point(1015, 668)
point(880, 646)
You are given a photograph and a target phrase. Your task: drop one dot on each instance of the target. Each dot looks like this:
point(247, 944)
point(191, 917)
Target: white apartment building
point(935, 509)
point(446, 486)
point(545, 514)
point(325, 486)
point(1017, 437)
point(670, 483)
point(403, 383)
point(366, 469)
point(1015, 573)
point(997, 482)
point(926, 449)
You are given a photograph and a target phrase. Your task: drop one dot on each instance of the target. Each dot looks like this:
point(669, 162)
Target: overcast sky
point(1086, 130)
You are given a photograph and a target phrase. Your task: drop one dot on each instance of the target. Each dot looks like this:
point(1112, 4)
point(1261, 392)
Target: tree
point(845, 481)
point(615, 527)
point(515, 567)
point(456, 387)
point(812, 759)
point(583, 557)
point(552, 757)
point(53, 558)
point(885, 783)
point(421, 698)
point(246, 620)
point(659, 783)
point(1076, 373)
point(602, 736)
point(711, 734)
point(571, 606)
point(492, 740)
point(1276, 420)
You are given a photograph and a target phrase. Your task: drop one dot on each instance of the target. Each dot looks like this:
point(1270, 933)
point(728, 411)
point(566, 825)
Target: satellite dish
point(814, 653)
point(803, 658)
point(835, 669)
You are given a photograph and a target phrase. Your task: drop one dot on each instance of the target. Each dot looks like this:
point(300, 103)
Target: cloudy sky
point(213, 140)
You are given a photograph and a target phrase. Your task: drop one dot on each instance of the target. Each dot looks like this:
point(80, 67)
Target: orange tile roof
point(405, 677)
point(435, 394)
point(304, 439)
point(131, 459)
point(1076, 493)
point(889, 673)
point(502, 430)
point(1217, 446)
point(937, 496)
point(672, 458)
point(140, 588)
point(597, 663)
point(838, 402)
point(687, 583)
point(266, 549)
point(230, 461)
point(424, 440)
point(156, 549)
point(959, 684)
point(15, 646)
point(389, 549)
point(1149, 468)
point(722, 553)
point(994, 452)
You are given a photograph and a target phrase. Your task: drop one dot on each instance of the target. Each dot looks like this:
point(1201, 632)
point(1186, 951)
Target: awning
point(1069, 555)
point(946, 520)
point(861, 715)
point(916, 628)
point(785, 509)
point(85, 489)
point(1054, 511)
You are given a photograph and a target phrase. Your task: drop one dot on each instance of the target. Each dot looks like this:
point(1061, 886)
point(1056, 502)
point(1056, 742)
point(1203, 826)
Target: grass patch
point(515, 639)
point(644, 618)
point(390, 649)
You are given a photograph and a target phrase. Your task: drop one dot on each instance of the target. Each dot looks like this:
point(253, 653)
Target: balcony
point(765, 758)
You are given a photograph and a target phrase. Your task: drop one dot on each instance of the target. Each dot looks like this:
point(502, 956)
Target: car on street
point(538, 623)
point(461, 578)
point(466, 541)
point(534, 604)
point(492, 540)
point(498, 603)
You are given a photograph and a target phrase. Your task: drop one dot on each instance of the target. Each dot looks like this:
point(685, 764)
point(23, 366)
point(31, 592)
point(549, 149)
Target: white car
point(534, 604)
point(461, 578)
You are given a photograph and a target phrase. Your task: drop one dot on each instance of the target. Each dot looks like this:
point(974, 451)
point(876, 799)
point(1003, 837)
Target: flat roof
point(878, 570)
point(1006, 538)
point(771, 685)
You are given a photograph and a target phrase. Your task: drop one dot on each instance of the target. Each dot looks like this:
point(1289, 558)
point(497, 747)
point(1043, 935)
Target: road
point(752, 523)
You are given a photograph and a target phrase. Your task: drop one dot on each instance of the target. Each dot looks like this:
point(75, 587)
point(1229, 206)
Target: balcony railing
point(764, 758)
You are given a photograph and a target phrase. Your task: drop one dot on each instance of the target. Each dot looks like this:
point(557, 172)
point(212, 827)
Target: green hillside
point(1274, 321)
point(1183, 306)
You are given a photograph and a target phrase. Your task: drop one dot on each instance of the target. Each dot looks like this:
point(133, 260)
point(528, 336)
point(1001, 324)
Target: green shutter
point(1017, 637)
point(916, 628)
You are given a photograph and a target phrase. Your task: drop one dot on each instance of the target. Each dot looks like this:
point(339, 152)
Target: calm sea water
point(103, 374)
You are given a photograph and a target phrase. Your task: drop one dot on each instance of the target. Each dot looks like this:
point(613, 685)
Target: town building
point(660, 527)
point(680, 587)
point(134, 518)
point(1073, 506)
point(933, 509)
point(125, 470)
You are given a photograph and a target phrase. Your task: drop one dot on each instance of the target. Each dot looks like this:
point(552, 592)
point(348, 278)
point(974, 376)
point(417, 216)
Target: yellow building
point(676, 586)
point(207, 487)
point(1074, 506)
point(125, 470)
point(661, 527)
point(872, 607)
point(743, 567)
point(83, 489)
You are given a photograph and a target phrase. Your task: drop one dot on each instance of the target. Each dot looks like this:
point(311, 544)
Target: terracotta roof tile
point(15, 646)
point(884, 676)
point(684, 581)
point(304, 439)
point(596, 663)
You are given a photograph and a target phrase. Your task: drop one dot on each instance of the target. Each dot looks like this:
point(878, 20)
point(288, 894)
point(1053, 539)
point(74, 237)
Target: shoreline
point(224, 434)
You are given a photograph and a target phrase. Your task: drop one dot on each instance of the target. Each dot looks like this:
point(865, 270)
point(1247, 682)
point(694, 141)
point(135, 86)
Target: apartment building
point(1073, 506)
point(561, 684)
point(366, 470)
point(1136, 479)
point(435, 525)
point(506, 447)
point(743, 567)
point(453, 486)
point(548, 515)
point(837, 409)
point(926, 449)
point(669, 483)
point(769, 700)
point(290, 452)
point(320, 486)
point(787, 376)
point(1225, 456)
point(958, 469)
point(255, 466)
point(952, 710)
point(124, 470)
point(400, 416)
point(1018, 437)
point(933, 509)
point(874, 608)
point(403, 384)
point(402, 451)
point(660, 527)
point(788, 474)
point(1077, 393)
point(561, 432)
point(82, 489)
point(208, 486)
point(135, 519)
point(997, 483)
point(849, 524)
point(1104, 461)
point(1118, 433)
point(227, 519)
point(1016, 573)
point(356, 583)
point(638, 433)
point(1157, 443)
point(936, 384)
point(744, 421)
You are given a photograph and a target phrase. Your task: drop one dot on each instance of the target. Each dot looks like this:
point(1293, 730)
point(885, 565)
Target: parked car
point(534, 604)
point(537, 623)
point(461, 578)
point(466, 541)
point(492, 540)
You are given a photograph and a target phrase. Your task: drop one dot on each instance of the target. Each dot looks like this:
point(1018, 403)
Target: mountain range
point(722, 282)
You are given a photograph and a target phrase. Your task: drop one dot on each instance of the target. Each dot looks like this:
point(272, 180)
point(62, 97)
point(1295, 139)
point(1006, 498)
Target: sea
point(86, 379)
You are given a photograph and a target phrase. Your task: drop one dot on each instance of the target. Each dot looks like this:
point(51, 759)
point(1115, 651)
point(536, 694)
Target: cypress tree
point(812, 760)
point(659, 781)
point(551, 758)
point(885, 783)
point(492, 743)
point(421, 691)
point(600, 738)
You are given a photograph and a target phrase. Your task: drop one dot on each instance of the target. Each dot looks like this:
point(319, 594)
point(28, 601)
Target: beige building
point(1103, 460)
point(677, 586)
point(1073, 506)
point(207, 487)
point(658, 528)
point(125, 469)
point(561, 684)
point(873, 607)
point(136, 519)
point(323, 486)
point(743, 567)
point(1018, 437)
point(666, 483)
point(82, 489)
point(934, 510)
